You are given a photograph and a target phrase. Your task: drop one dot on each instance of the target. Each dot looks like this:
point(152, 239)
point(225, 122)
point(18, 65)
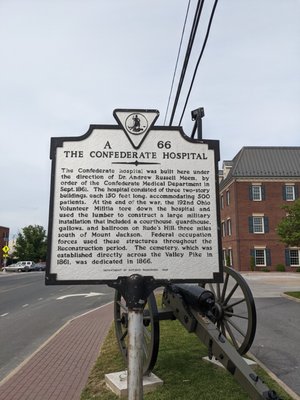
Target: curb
point(290, 297)
point(284, 386)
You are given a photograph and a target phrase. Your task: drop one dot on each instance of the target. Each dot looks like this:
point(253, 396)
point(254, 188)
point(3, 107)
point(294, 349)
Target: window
point(293, 257)
point(224, 257)
point(223, 226)
point(227, 197)
point(229, 230)
point(230, 257)
point(222, 202)
point(258, 224)
point(257, 192)
point(260, 257)
point(289, 192)
point(227, 258)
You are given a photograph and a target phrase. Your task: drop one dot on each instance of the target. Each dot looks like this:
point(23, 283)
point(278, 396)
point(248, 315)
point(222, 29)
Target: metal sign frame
point(51, 278)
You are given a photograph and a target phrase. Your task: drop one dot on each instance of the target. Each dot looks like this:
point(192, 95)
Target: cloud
point(68, 64)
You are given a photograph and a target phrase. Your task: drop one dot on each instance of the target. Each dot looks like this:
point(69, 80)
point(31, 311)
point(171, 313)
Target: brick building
point(4, 235)
point(253, 187)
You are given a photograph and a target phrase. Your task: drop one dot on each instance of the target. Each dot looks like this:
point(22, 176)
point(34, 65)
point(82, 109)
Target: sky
point(66, 64)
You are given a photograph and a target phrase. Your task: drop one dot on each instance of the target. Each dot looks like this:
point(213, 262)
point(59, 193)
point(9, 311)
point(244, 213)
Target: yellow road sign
point(5, 249)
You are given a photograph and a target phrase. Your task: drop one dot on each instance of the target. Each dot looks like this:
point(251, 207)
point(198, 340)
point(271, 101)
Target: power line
point(187, 55)
point(199, 59)
point(176, 64)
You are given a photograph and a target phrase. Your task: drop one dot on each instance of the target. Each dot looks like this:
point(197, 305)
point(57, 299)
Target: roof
point(266, 162)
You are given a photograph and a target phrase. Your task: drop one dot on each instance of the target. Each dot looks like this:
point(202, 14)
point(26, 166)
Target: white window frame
point(223, 226)
point(263, 256)
point(227, 197)
point(224, 257)
point(290, 195)
point(256, 193)
point(257, 224)
point(230, 257)
point(229, 227)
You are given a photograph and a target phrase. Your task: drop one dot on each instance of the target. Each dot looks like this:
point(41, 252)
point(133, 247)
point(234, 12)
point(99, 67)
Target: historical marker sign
point(133, 198)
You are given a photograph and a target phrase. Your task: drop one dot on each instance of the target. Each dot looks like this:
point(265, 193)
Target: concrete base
point(216, 362)
point(117, 382)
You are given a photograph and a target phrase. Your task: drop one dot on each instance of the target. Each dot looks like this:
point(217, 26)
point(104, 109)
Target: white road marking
point(4, 315)
point(91, 294)
point(25, 305)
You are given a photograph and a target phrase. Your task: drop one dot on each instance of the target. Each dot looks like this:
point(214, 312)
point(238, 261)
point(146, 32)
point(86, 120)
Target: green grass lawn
point(186, 376)
point(293, 294)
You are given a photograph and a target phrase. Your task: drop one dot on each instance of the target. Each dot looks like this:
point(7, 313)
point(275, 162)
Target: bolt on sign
point(133, 198)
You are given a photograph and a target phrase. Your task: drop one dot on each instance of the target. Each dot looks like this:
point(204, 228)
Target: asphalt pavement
point(59, 369)
point(276, 344)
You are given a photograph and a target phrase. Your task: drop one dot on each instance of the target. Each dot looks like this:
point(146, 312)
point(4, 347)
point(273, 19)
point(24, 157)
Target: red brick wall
point(240, 209)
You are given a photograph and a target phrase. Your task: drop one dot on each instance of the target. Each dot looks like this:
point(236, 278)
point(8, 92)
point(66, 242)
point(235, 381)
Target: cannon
point(222, 315)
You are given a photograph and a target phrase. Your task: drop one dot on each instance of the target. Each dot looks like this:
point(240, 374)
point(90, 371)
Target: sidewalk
point(60, 368)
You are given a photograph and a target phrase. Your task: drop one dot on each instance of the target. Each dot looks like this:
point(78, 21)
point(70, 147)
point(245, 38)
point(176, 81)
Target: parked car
point(11, 267)
point(27, 265)
point(39, 267)
point(20, 266)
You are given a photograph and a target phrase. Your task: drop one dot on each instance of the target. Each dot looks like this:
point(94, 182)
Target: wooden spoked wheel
point(235, 309)
point(150, 330)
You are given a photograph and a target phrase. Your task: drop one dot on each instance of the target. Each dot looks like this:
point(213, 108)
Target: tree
point(31, 244)
point(289, 227)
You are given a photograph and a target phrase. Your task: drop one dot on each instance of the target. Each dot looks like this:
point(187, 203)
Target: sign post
point(5, 250)
point(136, 290)
point(135, 355)
point(134, 205)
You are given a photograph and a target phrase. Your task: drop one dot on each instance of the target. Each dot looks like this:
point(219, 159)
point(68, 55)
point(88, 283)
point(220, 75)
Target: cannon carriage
point(222, 315)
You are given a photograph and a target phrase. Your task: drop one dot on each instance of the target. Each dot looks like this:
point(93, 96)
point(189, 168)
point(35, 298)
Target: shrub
point(252, 263)
point(280, 268)
point(227, 261)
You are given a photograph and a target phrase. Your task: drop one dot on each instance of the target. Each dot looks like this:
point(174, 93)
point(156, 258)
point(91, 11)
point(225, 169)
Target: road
point(31, 312)
point(277, 338)
point(276, 343)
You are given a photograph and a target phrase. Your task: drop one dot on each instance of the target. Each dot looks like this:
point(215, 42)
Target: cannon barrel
point(195, 296)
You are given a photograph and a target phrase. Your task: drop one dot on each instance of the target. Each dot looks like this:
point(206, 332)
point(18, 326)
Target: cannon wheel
point(151, 330)
point(235, 309)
